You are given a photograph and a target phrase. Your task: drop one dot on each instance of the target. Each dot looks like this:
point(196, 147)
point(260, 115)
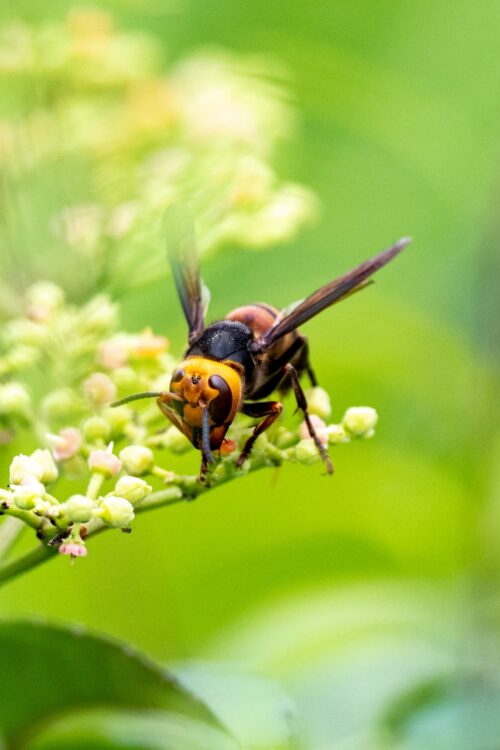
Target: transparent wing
point(183, 259)
point(300, 312)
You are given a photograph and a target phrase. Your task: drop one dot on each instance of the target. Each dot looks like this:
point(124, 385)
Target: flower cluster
point(114, 455)
point(207, 128)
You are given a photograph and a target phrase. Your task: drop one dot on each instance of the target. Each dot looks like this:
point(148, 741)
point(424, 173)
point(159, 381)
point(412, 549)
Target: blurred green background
point(366, 590)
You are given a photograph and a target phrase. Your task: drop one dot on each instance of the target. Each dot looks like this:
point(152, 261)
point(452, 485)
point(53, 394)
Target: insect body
point(231, 365)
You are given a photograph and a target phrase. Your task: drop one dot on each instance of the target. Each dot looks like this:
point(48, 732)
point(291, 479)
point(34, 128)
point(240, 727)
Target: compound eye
point(177, 376)
point(220, 407)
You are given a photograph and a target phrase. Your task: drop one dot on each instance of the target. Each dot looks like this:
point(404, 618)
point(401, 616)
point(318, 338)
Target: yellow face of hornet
point(200, 383)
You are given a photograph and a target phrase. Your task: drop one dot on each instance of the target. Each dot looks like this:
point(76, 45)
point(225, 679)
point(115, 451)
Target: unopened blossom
point(96, 428)
point(114, 352)
point(337, 434)
point(360, 421)
point(137, 459)
point(318, 402)
point(47, 471)
point(26, 496)
point(116, 511)
point(319, 427)
point(44, 299)
point(146, 345)
point(104, 462)
point(175, 440)
point(133, 489)
point(66, 443)
point(15, 400)
point(306, 452)
point(22, 467)
point(99, 389)
point(79, 508)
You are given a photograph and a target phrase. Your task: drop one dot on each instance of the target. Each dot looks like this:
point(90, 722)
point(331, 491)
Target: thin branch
point(182, 489)
point(10, 531)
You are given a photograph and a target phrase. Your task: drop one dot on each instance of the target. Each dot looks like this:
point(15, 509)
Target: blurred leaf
point(141, 730)
point(48, 669)
point(255, 710)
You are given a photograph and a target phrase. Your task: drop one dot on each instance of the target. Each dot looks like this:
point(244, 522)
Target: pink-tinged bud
point(99, 389)
point(104, 462)
point(73, 548)
point(319, 427)
point(114, 353)
point(147, 345)
point(67, 443)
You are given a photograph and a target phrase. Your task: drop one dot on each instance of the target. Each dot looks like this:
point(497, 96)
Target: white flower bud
point(96, 428)
point(99, 315)
point(319, 427)
point(336, 434)
point(62, 404)
point(99, 390)
point(15, 400)
point(79, 508)
point(116, 511)
point(66, 443)
point(22, 357)
point(21, 468)
point(47, 470)
point(318, 402)
point(175, 441)
point(105, 462)
point(133, 489)
point(137, 459)
point(360, 421)
point(44, 300)
point(118, 419)
point(26, 496)
point(306, 452)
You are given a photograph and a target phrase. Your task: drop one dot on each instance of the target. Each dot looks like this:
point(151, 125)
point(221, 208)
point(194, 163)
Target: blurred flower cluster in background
point(142, 138)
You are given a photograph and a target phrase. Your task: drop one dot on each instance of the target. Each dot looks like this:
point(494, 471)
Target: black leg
point(267, 412)
point(302, 405)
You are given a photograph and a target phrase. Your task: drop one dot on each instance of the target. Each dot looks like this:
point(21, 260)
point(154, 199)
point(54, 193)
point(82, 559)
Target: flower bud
point(99, 390)
point(26, 496)
point(44, 300)
point(66, 443)
point(75, 549)
point(132, 489)
point(116, 511)
point(118, 419)
point(318, 402)
point(47, 470)
point(95, 429)
point(15, 400)
point(360, 421)
point(175, 441)
point(319, 427)
point(21, 468)
point(25, 332)
point(306, 452)
point(146, 345)
point(137, 459)
point(62, 404)
point(22, 357)
point(104, 462)
point(336, 434)
point(99, 315)
point(79, 508)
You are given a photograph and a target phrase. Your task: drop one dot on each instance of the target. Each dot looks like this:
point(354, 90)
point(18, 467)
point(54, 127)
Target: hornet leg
point(302, 405)
point(268, 412)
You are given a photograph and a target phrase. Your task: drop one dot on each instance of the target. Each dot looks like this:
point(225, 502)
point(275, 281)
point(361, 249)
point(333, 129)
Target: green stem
point(182, 489)
point(10, 531)
point(10, 570)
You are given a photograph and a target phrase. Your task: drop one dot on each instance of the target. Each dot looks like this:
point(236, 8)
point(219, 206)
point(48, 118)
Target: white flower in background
point(318, 402)
point(15, 400)
point(99, 390)
point(44, 300)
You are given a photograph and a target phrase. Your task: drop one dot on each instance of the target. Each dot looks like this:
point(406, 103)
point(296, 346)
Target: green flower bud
point(137, 459)
point(318, 402)
point(22, 357)
point(25, 332)
point(47, 470)
point(104, 462)
point(336, 434)
point(26, 496)
point(284, 438)
point(99, 390)
point(175, 441)
point(360, 421)
point(126, 379)
point(116, 511)
point(22, 469)
point(99, 315)
point(79, 508)
point(62, 405)
point(132, 489)
point(118, 419)
point(95, 429)
point(306, 452)
point(44, 300)
point(15, 400)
